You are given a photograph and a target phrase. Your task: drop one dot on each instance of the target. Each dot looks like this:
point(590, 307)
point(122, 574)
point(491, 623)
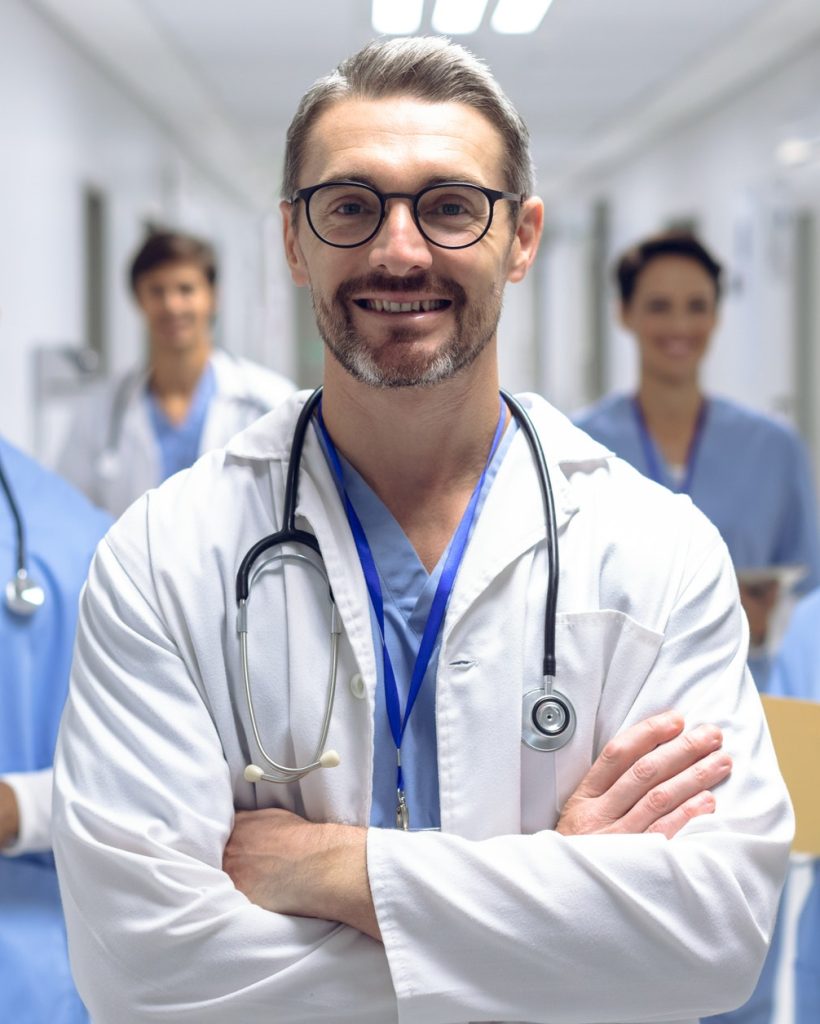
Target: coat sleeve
point(143, 808)
point(32, 790)
point(547, 928)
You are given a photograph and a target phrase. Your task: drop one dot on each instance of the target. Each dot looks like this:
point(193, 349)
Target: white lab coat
point(111, 453)
point(495, 918)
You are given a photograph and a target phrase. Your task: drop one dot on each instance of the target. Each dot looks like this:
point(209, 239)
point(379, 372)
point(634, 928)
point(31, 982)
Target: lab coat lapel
point(478, 725)
point(333, 794)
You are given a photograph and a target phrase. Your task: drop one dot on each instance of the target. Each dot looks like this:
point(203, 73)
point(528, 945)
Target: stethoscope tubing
point(19, 529)
point(289, 534)
point(545, 485)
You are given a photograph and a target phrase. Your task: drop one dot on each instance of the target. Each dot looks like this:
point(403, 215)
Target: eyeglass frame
point(492, 195)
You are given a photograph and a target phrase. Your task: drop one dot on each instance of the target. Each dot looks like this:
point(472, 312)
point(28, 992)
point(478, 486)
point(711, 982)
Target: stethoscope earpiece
point(548, 720)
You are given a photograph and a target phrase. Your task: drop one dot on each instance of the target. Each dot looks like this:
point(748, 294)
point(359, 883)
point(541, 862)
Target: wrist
point(9, 815)
point(342, 889)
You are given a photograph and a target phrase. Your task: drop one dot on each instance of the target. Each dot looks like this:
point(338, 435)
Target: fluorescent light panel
point(396, 17)
point(515, 17)
point(458, 17)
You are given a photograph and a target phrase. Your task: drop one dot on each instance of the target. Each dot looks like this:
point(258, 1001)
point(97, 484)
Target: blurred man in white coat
point(133, 432)
point(477, 827)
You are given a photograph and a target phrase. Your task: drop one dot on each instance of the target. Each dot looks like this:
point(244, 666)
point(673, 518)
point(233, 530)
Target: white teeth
point(382, 306)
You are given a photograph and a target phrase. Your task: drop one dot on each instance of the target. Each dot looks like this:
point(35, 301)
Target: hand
point(291, 866)
point(758, 600)
point(9, 815)
point(653, 777)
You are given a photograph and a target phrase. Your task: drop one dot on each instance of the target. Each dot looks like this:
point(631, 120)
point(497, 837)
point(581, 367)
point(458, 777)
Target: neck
point(176, 374)
point(422, 450)
point(671, 409)
point(670, 405)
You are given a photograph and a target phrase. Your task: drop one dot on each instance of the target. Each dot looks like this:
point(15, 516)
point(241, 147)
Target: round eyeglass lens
point(454, 215)
point(344, 214)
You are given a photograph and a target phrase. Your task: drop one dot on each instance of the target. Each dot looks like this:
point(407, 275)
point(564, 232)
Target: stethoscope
point(548, 716)
point(23, 595)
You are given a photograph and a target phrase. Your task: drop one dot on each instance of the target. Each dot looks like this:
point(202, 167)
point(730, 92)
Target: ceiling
point(596, 77)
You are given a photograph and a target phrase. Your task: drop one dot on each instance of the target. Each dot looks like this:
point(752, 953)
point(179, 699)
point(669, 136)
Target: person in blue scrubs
point(796, 673)
point(748, 472)
point(60, 530)
point(131, 433)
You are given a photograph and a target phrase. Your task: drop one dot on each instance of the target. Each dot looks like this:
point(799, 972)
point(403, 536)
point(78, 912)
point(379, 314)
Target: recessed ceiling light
point(396, 17)
point(515, 17)
point(458, 17)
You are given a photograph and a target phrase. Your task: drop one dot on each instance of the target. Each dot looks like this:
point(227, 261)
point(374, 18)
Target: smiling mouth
point(416, 306)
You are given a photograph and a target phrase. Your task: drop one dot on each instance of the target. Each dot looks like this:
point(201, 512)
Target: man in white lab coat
point(133, 432)
point(626, 876)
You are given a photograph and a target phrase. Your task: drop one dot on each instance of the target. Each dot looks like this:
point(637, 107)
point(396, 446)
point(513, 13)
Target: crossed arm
point(654, 777)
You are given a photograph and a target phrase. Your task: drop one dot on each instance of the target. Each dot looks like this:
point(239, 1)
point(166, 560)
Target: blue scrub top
point(796, 673)
point(62, 531)
point(751, 477)
point(407, 591)
point(180, 443)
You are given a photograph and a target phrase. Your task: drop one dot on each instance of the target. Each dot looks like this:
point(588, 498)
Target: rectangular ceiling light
point(515, 17)
point(458, 17)
point(396, 17)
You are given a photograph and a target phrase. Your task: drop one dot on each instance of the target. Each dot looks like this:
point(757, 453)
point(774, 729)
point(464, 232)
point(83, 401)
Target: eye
point(340, 203)
point(448, 204)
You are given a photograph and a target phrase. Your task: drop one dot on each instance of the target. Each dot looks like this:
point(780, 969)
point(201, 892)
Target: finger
point(669, 796)
point(625, 749)
point(660, 765)
point(670, 824)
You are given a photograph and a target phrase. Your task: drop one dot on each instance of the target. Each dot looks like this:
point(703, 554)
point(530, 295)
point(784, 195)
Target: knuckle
point(644, 770)
point(658, 800)
point(613, 751)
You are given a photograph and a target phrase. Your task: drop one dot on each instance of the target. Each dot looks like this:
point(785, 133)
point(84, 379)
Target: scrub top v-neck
point(408, 591)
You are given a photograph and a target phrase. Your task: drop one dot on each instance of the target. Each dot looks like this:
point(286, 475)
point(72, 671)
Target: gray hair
point(427, 68)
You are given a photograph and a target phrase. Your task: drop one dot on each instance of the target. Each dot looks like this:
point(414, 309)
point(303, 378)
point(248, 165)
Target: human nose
point(399, 247)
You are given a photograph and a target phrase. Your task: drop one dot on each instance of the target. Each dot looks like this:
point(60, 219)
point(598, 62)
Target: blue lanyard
point(652, 463)
point(398, 722)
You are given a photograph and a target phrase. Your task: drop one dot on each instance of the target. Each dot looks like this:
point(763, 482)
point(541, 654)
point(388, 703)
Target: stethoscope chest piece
point(23, 595)
point(548, 720)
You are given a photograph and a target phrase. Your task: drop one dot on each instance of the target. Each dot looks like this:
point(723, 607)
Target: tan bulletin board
point(795, 728)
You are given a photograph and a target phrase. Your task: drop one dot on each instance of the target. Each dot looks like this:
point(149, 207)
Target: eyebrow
point(365, 178)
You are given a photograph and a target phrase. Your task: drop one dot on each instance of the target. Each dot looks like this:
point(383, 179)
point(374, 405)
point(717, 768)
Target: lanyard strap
point(398, 722)
point(650, 454)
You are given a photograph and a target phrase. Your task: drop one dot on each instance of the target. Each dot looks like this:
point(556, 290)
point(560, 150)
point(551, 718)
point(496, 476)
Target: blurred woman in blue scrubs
point(53, 529)
point(746, 471)
point(796, 673)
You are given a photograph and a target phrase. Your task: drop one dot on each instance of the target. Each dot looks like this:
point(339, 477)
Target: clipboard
point(787, 577)
point(795, 728)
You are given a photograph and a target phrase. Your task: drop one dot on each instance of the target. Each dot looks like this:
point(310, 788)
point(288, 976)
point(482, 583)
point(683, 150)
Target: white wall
point(64, 125)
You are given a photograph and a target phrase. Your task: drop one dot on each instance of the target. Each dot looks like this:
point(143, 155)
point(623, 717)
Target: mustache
point(441, 287)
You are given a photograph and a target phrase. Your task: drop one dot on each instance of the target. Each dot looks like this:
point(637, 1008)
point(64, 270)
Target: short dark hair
point(427, 68)
point(173, 247)
point(670, 243)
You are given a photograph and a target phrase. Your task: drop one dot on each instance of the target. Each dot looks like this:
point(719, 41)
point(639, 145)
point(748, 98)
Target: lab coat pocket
point(597, 652)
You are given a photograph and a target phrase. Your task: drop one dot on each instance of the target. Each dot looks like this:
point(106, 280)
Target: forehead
point(681, 273)
point(173, 271)
point(402, 143)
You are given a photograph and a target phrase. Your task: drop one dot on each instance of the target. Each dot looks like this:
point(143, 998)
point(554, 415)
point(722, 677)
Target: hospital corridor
point(409, 521)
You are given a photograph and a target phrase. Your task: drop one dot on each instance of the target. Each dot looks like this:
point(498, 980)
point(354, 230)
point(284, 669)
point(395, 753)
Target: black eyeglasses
point(452, 215)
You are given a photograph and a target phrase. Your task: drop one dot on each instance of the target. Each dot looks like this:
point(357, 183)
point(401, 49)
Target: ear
point(527, 237)
point(293, 251)
point(624, 317)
